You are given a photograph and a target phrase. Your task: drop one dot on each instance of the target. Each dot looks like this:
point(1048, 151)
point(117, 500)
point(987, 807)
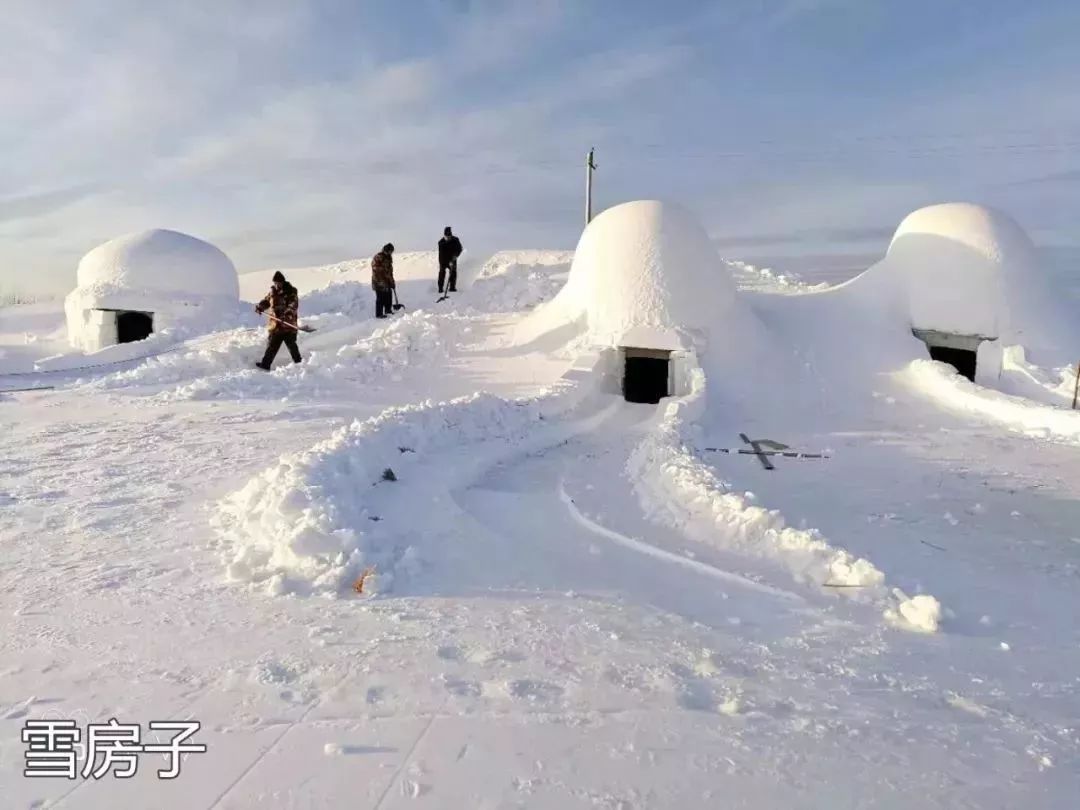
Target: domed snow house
point(648, 290)
point(135, 285)
point(971, 281)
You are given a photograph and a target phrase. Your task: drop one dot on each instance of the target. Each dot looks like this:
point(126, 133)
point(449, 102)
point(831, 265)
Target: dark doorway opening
point(132, 326)
point(963, 360)
point(645, 378)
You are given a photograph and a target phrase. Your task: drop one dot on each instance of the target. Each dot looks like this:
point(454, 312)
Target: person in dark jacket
point(283, 302)
point(449, 250)
point(382, 280)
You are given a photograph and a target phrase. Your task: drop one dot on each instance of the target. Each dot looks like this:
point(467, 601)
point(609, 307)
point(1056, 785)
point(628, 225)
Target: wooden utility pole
point(1076, 386)
point(590, 167)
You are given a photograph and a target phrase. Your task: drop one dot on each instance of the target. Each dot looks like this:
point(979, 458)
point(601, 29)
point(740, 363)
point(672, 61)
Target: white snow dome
point(648, 292)
point(645, 273)
point(972, 271)
point(160, 260)
point(135, 285)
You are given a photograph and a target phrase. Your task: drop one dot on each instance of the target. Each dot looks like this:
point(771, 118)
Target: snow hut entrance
point(132, 326)
point(646, 375)
point(959, 351)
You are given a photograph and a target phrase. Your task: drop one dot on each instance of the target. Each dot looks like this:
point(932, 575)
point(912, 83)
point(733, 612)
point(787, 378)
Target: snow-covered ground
point(576, 603)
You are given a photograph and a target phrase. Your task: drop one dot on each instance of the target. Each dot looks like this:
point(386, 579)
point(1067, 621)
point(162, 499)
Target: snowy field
point(577, 602)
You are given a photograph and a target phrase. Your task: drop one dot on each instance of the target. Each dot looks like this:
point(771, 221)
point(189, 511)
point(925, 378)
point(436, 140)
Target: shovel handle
point(286, 323)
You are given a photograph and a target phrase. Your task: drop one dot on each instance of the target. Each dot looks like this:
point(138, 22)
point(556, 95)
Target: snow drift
point(308, 524)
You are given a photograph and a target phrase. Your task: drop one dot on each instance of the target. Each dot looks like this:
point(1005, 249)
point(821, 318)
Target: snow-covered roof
point(648, 268)
point(159, 261)
point(967, 269)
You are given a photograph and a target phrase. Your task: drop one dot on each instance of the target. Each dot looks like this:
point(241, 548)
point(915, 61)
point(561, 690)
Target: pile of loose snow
point(1051, 386)
point(514, 281)
point(921, 614)
point(350, 298)
point(222, 366)
point(413, 340)
point(763, 279)
point(309, 525)
point(940, 383)
point(219, 354)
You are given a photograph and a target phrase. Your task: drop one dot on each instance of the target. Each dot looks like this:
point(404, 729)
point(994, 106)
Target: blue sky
point(294, 133)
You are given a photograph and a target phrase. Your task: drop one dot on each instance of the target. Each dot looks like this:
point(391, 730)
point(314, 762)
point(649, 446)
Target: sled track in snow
point(657, 553)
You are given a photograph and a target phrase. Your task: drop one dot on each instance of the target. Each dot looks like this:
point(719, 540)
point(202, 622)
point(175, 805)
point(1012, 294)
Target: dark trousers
point(273, 343)
point(452, 267)
point(384, 302)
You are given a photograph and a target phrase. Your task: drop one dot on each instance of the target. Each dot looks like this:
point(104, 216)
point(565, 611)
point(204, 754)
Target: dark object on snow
point(388, 475)
point(449, 250)
point(743, 452)
point(768, 465)
point(406, 450)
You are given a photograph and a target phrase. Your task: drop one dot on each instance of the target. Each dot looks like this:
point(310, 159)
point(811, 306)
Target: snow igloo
point(135, 285)
point(652, 293)
point(971, 281)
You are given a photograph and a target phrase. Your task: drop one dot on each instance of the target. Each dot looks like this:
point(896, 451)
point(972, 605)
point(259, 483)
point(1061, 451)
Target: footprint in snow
point(463, 688)
point(534, 691)
point(450, 653)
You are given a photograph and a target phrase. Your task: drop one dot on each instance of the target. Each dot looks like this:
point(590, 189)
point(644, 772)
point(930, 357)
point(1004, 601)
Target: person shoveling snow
point(283, 303)
point(449, 250)
point(382, 282)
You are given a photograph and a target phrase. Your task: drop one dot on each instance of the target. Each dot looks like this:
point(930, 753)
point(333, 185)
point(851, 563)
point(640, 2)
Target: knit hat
point(388, 248)
point(446, 231)
point(278, 276)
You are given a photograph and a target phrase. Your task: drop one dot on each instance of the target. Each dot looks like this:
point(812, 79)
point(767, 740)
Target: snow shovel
point(301, 327)
point(397, 304)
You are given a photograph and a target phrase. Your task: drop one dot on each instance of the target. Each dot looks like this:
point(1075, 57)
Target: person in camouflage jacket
point(283, 303)
point(382, 280)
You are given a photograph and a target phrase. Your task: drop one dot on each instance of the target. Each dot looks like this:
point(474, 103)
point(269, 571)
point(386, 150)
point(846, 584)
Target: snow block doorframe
point(123, 325)
point(959, 351)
